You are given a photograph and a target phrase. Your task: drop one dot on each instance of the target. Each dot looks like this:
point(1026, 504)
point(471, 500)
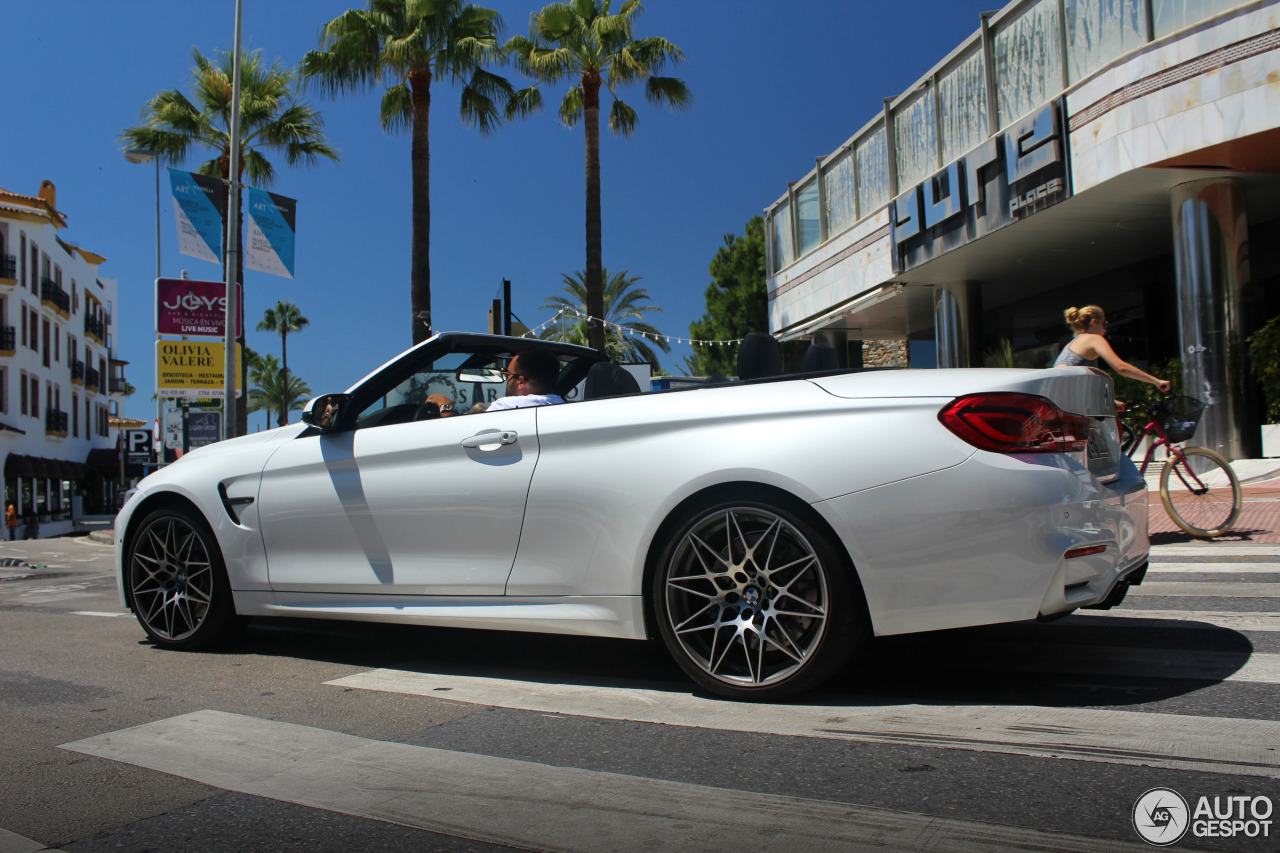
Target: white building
point(1118, 152)
point(59, 383)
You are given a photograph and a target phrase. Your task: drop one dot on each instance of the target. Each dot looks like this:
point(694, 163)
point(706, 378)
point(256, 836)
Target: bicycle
point(1198, 488)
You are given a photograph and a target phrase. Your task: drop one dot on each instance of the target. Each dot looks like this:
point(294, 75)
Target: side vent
point(232, 505)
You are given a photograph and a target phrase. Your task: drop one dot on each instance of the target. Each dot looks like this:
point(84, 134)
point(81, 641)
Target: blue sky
point(775, 85)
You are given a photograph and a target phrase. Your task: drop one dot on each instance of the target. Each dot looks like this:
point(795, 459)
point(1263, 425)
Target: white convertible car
point(763, 528)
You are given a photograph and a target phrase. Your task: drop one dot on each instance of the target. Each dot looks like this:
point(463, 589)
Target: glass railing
point(1019, 59)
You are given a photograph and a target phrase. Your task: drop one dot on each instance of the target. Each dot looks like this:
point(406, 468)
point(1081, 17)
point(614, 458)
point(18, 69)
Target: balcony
point(8, 340)
point(92, 379)
point(95, 328)
point(8, 267)
point(55, 297)
point(77, 372)
point(55, 422)
point(118, 385)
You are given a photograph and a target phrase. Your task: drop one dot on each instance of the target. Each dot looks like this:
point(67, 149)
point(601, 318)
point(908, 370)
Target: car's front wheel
point(177, 582)
point(754, 602)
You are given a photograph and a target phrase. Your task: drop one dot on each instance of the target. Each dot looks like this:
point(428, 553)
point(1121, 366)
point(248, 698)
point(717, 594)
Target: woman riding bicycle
point(1090, 344)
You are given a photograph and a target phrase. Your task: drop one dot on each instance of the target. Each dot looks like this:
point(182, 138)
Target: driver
point(531, 377)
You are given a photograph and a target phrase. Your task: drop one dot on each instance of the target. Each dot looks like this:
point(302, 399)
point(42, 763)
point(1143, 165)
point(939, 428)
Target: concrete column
point(957, 320)
point(1211, 251)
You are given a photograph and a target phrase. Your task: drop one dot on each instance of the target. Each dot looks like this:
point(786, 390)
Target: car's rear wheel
point(177, 582)
point(754, 602)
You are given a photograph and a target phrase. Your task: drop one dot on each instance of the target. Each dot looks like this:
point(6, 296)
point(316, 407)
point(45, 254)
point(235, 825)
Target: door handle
point(490, 437)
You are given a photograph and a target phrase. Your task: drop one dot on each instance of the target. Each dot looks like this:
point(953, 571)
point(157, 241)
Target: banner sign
point(185, 307)
point(197, 209)
point(271, 229)
point(1007, 179)
point(192, 369)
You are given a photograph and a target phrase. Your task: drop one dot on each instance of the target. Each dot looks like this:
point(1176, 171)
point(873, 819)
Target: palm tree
point(584, 41)
point(272, 119)
point(626, 333)
point(261, 368)
point(407, 44)
point(283, 319)
point(279, 393)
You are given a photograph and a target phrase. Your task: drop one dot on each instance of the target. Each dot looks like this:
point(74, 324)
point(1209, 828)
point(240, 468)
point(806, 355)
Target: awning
point(38, 467)
point(6, 428)
point(17, 465)
point(102, 458)
point(124, 423)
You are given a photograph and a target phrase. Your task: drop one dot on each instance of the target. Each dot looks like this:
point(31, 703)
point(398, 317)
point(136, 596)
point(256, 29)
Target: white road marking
point(1218, 589)
point(97, 613)
point(1186, 619)
point(1214, 548)
point(503, 801)
point(1214, 568)
point(1175, 742)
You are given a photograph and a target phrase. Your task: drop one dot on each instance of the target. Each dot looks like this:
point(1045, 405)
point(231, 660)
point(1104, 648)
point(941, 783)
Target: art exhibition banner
point(271, 233)
point(185, 307)
point(197, 209)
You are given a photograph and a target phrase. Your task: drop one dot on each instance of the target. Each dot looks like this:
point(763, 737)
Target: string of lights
point(626, 330)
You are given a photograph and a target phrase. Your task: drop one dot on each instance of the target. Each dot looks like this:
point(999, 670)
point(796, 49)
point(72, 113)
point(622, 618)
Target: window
point(24, 324)
point(75, 415)
point(57, 343)
point(88, 424)
point(35, 398)
point(75, 297)
point(22, 260)
point(34, 340)
point(22, 392)
point(46, 344)
point(4, 391)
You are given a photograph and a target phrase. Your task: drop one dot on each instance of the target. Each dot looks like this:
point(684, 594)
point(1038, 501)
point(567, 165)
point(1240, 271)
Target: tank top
point(1070, 358)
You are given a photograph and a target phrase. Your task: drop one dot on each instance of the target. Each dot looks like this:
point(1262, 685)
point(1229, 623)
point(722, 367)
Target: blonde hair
point(1080, 318)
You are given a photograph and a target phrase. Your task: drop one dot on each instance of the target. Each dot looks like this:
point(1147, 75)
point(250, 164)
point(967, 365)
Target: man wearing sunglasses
point(531, 376)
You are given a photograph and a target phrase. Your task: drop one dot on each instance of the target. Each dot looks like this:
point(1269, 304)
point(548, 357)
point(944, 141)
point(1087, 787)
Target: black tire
point(176, 581)
point(754, 601)
point(1206, 504)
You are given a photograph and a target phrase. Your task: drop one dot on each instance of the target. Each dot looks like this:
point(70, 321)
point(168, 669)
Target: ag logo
point(1161, 816)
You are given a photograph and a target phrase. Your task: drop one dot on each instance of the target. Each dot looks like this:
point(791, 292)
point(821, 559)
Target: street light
point(142, 155)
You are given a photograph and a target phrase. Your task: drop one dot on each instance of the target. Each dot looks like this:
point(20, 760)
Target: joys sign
point(191, 307)
point(1005, 179)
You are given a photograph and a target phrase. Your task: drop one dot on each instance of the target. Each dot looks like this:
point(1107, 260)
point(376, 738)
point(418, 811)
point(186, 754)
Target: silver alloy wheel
point(171, 578)
point(746, 596)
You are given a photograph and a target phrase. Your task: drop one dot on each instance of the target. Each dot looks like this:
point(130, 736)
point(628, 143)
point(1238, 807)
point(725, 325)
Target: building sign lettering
point(1007, 178)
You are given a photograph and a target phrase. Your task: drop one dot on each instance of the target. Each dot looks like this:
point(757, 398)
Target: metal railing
point(55, 421)
point(77, 371)
point(92, 378)
point(50, 291)
point(95, 327)
point(8, 266)
point(8, 338)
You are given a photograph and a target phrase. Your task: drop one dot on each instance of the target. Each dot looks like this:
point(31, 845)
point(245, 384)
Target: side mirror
point(325, 412)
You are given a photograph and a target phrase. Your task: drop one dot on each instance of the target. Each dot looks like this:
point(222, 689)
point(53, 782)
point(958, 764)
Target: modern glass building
point(1118, 152)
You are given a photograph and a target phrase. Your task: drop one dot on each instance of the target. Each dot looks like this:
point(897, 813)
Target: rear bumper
point(985, 541)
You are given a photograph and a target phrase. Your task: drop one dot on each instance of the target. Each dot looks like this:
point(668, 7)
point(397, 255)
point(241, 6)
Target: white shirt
point(523, 402)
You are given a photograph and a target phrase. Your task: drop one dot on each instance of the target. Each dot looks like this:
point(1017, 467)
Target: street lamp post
point(142, 155)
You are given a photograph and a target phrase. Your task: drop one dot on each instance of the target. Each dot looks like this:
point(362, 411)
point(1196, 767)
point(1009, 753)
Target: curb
point(106, 537)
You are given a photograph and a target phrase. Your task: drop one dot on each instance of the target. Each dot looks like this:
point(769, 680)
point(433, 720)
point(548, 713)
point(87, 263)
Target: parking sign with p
point(137, 445)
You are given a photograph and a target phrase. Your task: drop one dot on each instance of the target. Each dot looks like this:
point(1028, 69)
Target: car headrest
point(606, 379)
point(819, 356)
point(758, 356)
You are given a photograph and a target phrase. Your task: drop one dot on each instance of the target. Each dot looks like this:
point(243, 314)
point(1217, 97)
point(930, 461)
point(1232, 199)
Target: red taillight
point(1015, 423)
point(1084, 551)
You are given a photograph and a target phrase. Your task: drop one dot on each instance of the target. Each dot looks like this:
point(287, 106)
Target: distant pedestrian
point(11, 522)
point(33, 526)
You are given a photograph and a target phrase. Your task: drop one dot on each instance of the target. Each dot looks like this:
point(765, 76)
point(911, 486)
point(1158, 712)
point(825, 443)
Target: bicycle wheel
point(1200, 492)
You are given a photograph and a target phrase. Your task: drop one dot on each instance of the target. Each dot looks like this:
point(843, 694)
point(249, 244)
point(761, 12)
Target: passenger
point(1090, 344)
point(531, 377)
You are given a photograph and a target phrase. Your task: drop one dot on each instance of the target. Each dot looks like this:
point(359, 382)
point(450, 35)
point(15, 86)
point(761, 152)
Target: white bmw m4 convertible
point(764, 528)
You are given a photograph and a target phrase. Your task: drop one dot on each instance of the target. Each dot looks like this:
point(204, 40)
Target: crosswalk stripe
point(1214, 568)
point(1186, 619)
point(521, 803)
point(1216, 589)
point(1209, 744)
point(1215, 548)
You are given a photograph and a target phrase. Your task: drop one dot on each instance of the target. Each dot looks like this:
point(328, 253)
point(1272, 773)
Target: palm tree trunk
point(420, 155)
point(595, 264)
point(283, 418)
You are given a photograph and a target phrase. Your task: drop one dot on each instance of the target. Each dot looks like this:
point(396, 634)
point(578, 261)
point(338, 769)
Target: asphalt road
point(317, 736)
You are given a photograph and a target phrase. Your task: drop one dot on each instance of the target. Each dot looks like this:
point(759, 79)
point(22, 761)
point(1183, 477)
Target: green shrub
point(1136, 394)
point(1264, 350)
